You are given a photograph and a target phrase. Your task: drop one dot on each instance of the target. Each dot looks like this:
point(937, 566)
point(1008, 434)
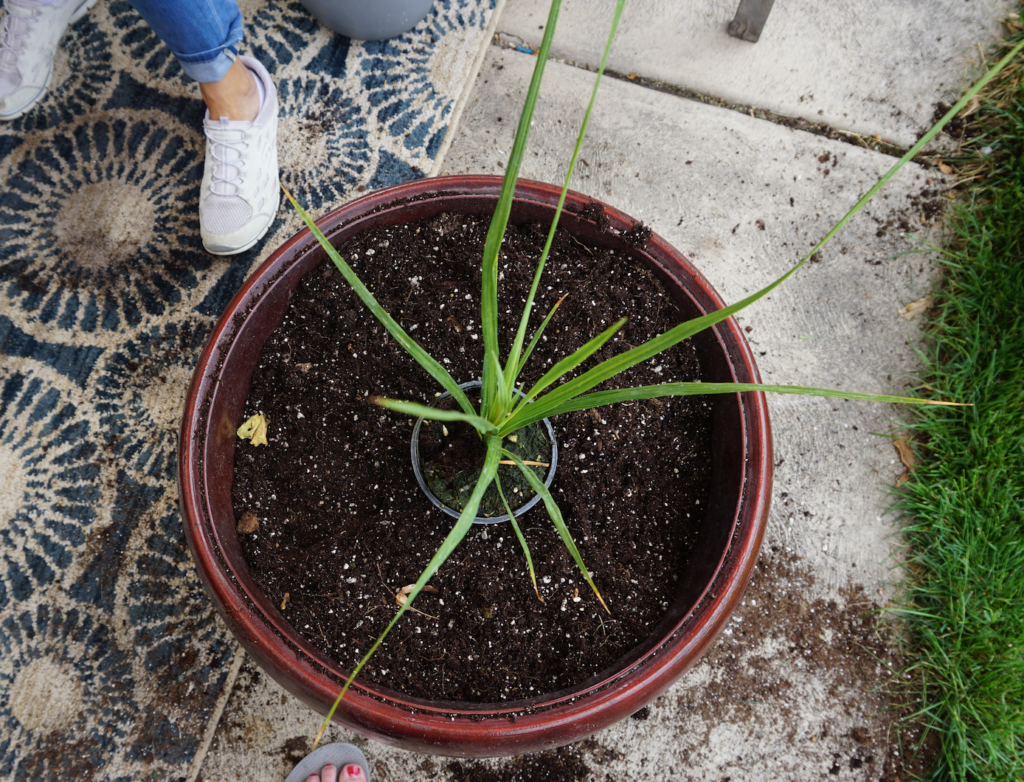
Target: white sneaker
point(31, 31)
point(241, 191)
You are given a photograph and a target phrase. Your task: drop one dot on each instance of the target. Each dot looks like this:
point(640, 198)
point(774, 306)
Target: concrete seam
point(796, 123)
point(218, 712)
point(460, 104)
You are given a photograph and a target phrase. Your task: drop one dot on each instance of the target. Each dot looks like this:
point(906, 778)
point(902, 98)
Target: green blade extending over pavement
point(602, 398)
point(515, 363)
point(496, 232)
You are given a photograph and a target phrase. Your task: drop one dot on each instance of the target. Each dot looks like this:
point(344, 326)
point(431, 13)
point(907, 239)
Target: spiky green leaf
point(570, 362)
point(602, 398)
point(496, 231)
point(519, 535)
point(556, 517)
point(514, 364)
point(462, 526)
point(413, 348)
point(417, 410)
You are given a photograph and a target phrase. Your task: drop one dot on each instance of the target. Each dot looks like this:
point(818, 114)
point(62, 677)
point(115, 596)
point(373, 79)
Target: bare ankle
point(235, 96)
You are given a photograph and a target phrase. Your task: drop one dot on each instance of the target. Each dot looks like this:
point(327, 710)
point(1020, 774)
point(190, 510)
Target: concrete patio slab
point(874, 67)
point(789, 691)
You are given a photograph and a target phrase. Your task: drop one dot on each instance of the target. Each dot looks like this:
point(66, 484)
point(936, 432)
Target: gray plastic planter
point(369, 20)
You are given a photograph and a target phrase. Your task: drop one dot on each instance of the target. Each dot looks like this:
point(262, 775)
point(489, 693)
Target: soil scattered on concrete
point(797, 684)
point(836, 657)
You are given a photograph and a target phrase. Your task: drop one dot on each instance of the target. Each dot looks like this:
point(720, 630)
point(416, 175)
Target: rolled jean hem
point(213, 69)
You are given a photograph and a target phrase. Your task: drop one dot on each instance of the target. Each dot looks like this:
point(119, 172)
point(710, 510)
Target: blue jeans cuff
point(210, 70)
point(203, 34)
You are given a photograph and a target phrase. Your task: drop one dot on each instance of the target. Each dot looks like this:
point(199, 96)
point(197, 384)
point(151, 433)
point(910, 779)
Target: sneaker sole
point(32, 103)
point(81, 11)
point(247, 245)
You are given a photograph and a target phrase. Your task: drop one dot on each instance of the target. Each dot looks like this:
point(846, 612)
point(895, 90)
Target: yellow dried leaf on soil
point(254, 430)
point(245, 430)
point(259, 437)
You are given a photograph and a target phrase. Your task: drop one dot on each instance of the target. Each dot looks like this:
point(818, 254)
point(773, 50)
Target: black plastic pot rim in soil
point(417, 470)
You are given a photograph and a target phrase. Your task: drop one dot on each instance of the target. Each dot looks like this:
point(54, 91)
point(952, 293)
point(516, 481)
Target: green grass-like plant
point(502, 412)
point(963, 507)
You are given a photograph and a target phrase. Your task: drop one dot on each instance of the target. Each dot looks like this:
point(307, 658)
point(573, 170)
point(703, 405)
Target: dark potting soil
point(341, 524)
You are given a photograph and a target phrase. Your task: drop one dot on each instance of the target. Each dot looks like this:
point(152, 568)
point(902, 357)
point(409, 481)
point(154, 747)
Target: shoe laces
point(17, 26)
point(228, 159)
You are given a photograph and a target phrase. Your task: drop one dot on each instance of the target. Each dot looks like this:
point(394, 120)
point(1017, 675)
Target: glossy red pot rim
point(439, 726)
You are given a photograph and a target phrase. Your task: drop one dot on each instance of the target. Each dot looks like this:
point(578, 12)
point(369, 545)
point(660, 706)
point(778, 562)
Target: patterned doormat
point(111, 660)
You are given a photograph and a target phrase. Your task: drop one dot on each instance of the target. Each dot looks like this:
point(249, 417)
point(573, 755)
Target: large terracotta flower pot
point(728, 539)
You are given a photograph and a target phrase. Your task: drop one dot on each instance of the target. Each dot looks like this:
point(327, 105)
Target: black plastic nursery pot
point(420, 469)
point(728, 535)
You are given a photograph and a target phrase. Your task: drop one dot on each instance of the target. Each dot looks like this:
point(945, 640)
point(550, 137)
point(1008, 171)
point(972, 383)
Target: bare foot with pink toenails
point(349, 773)
point(332, 763)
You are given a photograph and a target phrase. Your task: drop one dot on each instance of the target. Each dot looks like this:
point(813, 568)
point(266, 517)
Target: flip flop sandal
point(337, 755)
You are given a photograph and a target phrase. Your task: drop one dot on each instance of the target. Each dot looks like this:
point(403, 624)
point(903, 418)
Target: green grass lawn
point(963, 510)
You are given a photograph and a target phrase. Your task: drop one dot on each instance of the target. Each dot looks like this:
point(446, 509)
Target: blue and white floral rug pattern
point(111, 660)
